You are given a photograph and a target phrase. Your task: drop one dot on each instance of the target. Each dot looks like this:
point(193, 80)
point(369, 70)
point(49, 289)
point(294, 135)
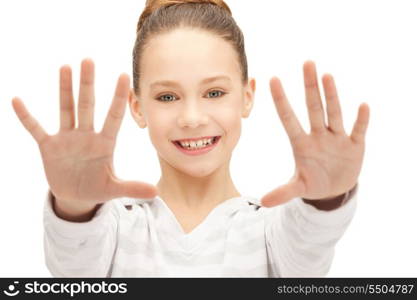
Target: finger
point(289, 120)
point(28, 121)
point(66, 99)
point(334, 111)
point(133, 189)
point(116, 112)
point(313, 99)
point(86, 96)
point(361, 124)
point(283, 194)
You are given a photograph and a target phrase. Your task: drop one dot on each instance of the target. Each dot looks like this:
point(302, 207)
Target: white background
point(368, 46)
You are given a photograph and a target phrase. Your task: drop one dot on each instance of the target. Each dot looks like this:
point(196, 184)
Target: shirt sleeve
point(82, 249)
point(301, 239)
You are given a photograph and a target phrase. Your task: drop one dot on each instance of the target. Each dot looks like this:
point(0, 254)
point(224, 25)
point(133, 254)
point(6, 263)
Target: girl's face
point(191, 87)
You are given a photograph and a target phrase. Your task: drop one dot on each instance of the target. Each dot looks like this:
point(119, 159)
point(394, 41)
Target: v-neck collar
point(170, 227)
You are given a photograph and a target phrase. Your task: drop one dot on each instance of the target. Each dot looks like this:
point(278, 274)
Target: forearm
point(301, 238)
point(80, 249)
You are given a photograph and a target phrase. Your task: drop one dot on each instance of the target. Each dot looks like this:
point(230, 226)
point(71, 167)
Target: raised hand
point(78, 162)
point(327, 161)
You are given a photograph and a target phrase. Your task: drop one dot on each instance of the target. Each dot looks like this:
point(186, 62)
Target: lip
point(199, 151)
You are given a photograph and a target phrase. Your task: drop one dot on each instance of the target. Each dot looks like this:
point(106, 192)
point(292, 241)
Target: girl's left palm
point(327, 161)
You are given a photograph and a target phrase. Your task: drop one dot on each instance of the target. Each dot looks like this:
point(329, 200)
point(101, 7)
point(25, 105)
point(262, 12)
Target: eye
point(214, 91)
point(170, 95)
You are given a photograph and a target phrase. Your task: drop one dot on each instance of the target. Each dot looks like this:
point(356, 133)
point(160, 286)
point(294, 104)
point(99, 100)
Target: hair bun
point(155, 4)
point(152, 5)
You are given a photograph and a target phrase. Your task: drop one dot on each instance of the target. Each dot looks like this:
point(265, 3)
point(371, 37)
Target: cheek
point(231, 112)
point(230, 122)
point(159, 128)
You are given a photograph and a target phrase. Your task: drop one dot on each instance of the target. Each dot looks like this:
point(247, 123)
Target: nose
point(192, 115)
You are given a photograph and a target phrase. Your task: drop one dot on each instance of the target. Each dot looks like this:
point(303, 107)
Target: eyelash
point(223, 93)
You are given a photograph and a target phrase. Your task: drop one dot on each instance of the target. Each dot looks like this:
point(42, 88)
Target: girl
point(191, 89)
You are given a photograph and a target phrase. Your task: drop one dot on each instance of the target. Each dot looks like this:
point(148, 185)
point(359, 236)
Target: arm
point(301, 238)
point(301, 234)
point(80, 249)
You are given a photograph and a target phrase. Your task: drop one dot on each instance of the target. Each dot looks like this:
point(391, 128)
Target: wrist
point(73, 211)
point(332, 203)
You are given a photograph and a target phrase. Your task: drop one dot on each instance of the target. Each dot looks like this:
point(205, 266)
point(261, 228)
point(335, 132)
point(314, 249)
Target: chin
point(197, 172)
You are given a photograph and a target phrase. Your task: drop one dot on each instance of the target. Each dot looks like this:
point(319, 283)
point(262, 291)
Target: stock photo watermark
point(71, 288)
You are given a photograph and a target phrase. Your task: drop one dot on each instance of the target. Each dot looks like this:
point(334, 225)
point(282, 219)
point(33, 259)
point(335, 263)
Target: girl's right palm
point(78, 162)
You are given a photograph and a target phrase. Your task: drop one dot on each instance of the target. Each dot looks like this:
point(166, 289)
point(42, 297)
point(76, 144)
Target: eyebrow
point(173, 83)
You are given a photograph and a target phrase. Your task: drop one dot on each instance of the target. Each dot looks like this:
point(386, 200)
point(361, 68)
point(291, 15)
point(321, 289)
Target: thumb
point(134, 189)
point(283, 193)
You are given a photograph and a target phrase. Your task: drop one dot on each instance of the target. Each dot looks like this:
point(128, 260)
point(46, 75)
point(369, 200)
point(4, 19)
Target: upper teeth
point(198, 143)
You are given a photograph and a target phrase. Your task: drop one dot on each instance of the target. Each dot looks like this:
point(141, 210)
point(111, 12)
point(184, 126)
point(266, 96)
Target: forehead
point(188, 53)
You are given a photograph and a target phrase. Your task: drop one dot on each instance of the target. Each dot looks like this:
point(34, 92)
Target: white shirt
point(239, 238)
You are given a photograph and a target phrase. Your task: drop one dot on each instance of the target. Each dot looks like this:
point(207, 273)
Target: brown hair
point(164, 15)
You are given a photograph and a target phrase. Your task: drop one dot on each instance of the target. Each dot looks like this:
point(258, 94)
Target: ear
point(248, 97)
point(136, 109)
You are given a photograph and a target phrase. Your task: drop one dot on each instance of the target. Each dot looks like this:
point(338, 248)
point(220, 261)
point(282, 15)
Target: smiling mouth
point(214, 140)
